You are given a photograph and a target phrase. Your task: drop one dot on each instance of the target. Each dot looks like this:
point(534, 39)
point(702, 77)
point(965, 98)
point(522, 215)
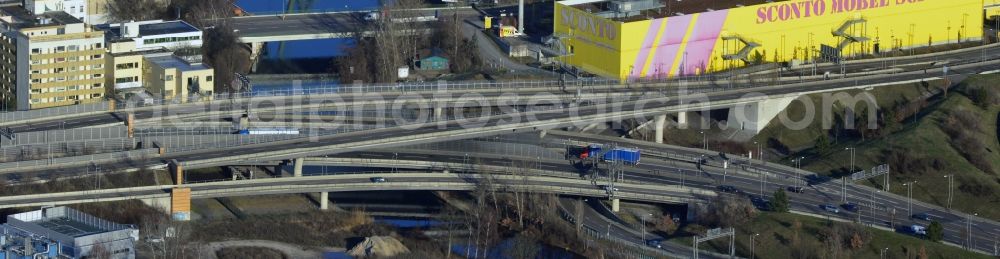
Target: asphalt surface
point(709, 176)
point(640, 108)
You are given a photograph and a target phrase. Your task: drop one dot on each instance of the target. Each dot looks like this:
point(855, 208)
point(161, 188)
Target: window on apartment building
point(123, 80)
point(58, 89)
point(127, 65)
point(35, 71)
point(36, 100)
point(73, 68)
point(98, 66)
point(60, 49)
point(60, 79)
point(169, 78)
point(36, 80)
point(36, 51)
point(36, 91)
point(97, 85)
point(36, 62)
point(73, 58)
point(72, 88)
point(73, 47)
point(96, 56)
point(208, 78)
point(98, 75)
point(60, 70)
point(95, 95)
point(74, 97)
point(98, 45)
point(60, 98)
point(60, 59)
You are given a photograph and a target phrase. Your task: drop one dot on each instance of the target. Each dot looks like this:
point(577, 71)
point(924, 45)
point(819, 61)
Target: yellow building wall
point(592, 43)
point(785, 30)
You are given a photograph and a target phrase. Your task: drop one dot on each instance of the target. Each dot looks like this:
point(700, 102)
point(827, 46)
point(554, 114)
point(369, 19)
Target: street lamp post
point(758, 151)
point(951, 178)
point(849, 172)
point(798, 168)
point(968, 231)
point(752, 244)
point(704, 141)
point(873, 206)
point(909, 197)
point(644, 227)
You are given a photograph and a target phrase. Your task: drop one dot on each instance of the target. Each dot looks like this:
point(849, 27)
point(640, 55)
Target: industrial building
point(51, 59)
point(629, 39)
point(62, 232)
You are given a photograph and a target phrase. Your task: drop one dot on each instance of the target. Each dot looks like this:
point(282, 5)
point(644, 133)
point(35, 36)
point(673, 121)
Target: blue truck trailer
point(618, 154)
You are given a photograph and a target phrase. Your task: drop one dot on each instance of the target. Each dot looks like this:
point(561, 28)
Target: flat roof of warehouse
point(669, 8)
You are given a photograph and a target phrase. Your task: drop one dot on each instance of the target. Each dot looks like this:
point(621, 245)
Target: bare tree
point(134, 10)
point(225, 53)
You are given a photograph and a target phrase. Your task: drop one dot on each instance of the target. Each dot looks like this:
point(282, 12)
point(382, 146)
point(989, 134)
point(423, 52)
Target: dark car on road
point(922, 216)
point(657, 243)
point(796, 189)
point(729, 189)
point(850, 206)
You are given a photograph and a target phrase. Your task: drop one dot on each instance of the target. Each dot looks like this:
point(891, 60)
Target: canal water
point(305, 56)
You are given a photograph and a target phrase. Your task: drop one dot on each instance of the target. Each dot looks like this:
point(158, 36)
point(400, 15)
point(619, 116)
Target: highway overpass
point(754, 102)
point(880, 70)
point(159, 195)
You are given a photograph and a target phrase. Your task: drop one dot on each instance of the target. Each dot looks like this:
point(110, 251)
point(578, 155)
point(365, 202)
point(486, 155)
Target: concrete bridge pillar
point(297, 172)
point(438, 113)
point(682, 120)
point(661, 124)
point(180, 204)
point(324, 200)
point(177, 171)
point(615, 204)
point(754, 117)
point(256, 48)
point(130, 124)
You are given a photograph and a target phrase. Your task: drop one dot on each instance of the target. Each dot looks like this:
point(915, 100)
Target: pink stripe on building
point(647, 44)
point(670, 42)
point(702, 41)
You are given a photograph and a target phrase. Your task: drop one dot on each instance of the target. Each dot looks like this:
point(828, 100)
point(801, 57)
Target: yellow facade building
point(665, 38)
point(52, 59)
point(146, 58)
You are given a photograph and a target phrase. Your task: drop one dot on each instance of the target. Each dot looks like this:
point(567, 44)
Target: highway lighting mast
point(849, 172)
point(968, 231)
point(909, 197)
point(951, 179)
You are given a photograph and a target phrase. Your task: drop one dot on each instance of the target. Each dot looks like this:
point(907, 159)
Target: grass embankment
point(954, 134)
point(785, 235)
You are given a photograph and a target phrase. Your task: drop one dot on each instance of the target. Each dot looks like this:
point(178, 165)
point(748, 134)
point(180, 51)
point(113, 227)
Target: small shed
point(432, 61)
